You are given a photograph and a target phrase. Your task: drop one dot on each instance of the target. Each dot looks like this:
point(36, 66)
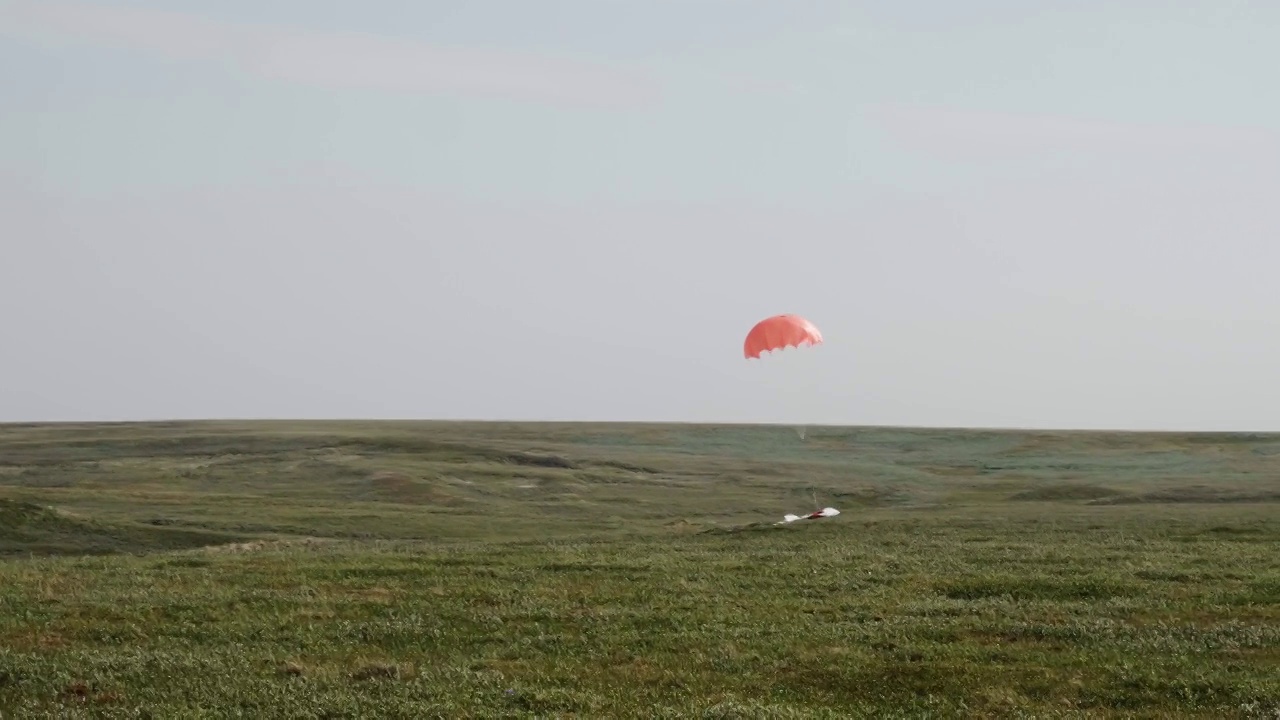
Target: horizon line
point(670, 423)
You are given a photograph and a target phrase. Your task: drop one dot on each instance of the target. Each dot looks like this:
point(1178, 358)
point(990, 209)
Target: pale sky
point(1059, 214)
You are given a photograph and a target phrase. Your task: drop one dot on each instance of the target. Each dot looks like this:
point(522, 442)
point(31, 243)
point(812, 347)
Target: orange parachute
point(778, 332)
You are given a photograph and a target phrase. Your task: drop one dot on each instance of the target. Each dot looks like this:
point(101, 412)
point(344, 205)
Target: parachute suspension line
point(777, 333)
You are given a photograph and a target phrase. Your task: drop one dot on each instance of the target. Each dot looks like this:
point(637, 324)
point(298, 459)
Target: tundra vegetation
point(455, 570)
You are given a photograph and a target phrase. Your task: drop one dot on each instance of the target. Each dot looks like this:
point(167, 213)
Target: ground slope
point(503, 570)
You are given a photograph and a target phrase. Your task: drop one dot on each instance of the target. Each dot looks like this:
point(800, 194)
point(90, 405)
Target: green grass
point(560, 570)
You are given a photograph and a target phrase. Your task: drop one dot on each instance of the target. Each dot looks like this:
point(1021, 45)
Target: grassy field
point(414, 570)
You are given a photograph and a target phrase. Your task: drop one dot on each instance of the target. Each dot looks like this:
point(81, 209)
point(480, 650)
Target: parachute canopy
point(780, 331)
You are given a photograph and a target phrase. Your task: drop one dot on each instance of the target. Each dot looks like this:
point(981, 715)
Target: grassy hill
point(30, 529)
point(421, 569)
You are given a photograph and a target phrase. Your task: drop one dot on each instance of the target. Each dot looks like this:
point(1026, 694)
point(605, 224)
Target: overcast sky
point(1063, 213)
